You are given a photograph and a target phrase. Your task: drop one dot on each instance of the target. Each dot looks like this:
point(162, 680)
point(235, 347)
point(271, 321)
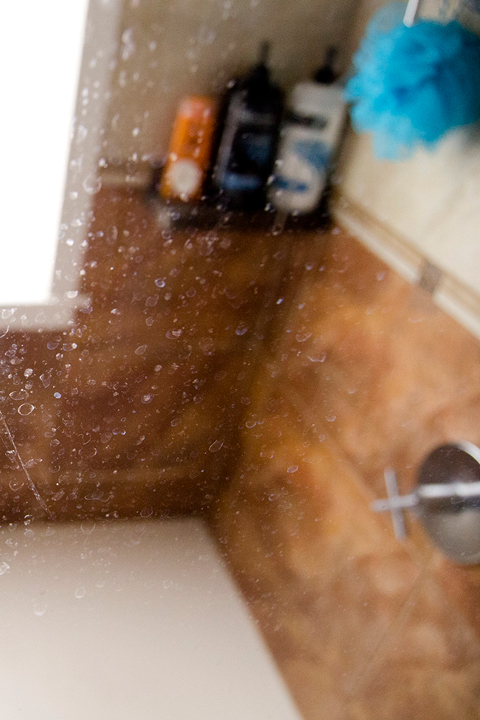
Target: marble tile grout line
point(363, 679)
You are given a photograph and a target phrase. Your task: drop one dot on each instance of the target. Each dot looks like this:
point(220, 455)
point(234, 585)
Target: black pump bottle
point(248, 142)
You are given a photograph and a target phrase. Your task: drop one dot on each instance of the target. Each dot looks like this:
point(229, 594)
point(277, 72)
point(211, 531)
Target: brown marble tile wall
point(365, 373)
point(134, 409)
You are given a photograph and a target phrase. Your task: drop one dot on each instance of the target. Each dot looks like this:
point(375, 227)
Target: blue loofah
point(413, 84)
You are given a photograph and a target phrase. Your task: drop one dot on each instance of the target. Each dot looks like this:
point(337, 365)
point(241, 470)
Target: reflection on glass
point(257, 370)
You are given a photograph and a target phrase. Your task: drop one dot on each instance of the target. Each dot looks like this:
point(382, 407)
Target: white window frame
point(57, 63)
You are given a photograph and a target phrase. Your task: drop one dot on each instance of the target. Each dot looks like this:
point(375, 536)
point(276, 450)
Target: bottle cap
point(326, 74)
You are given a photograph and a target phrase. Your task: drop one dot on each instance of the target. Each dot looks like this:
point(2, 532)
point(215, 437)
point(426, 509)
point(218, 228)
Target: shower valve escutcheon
point(446, 500)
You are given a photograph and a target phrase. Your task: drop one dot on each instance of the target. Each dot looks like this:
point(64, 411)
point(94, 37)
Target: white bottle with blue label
point(309, 139)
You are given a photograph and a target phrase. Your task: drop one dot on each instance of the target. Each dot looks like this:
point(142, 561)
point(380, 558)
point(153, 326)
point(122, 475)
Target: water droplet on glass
point(19, 395)
point(87, 452)
point(16, 485)
point(318, 358)
point(87, 528)
point(92, 185)
point(292, 469)
point(216, 446)
point(147, 398)
point(80, 593)
point(330, 418)
point(26, 409)
point(40, 608)
point(241, 329)
point(4, 567)
point(141, 349)
point(302, 337)
point(173, 334)
point(206, 35)
point(160, 282)
point(82, 133)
